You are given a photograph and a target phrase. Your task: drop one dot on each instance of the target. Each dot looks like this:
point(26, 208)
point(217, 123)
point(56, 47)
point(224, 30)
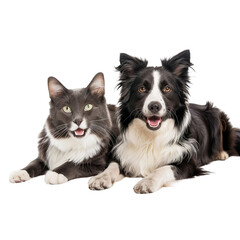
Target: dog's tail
point(230, 136)
point(237, 140)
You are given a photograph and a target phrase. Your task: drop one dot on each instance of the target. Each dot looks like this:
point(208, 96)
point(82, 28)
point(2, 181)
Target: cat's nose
point(77, 121)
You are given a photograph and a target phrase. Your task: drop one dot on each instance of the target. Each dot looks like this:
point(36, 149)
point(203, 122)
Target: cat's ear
point(178, 64)
point(130, 65)
point(97, 85)
point(55, 88)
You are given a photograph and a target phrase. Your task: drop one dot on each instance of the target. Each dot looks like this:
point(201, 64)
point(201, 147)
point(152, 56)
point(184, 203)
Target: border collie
point(163, 137)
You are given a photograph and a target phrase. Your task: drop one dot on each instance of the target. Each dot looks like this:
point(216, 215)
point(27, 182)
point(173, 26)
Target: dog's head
point(153, 94)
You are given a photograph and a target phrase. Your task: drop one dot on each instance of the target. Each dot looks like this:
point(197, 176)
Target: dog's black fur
point(209, 127)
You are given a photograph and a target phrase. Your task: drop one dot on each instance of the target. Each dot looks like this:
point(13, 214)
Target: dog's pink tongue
point(154, 121)
point(79, 132)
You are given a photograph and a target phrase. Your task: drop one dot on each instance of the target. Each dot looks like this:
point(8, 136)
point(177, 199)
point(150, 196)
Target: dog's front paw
point(222, 156)
point(55, 178)
point(100, 182)
point(19, 176)
point(146, 185)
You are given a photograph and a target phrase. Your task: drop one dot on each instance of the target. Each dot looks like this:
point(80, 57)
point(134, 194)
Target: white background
point(73, 40)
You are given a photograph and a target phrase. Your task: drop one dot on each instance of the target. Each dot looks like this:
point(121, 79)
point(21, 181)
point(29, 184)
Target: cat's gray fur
point(77, 143)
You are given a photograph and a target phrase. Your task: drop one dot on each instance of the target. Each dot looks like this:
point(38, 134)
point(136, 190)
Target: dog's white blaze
point(142, 150)
point(155, 95)
point(71, 149)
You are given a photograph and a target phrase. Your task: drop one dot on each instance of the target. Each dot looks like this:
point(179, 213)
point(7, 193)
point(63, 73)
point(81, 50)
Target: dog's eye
point(142, 89)
point(167, 89)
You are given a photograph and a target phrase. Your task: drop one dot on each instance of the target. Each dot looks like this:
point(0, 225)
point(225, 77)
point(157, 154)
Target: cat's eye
point(142, 89)
point(167, 89)
point(88, 107)
point(67, 109)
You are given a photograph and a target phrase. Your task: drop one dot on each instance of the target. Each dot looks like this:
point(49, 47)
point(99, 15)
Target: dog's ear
point(130, 65)
point(178, 64)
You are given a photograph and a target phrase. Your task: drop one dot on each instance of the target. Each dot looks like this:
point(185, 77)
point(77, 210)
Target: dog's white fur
point(142, 151)
point(154, 181)
point(107, 178)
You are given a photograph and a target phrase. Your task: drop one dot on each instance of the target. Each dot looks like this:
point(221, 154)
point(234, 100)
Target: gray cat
point(77, 137)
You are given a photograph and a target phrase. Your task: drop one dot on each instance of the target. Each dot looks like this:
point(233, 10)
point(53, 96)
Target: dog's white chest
point(143, 150)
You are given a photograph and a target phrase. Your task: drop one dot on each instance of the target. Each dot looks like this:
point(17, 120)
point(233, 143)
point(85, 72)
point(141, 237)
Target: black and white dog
point(163, 137)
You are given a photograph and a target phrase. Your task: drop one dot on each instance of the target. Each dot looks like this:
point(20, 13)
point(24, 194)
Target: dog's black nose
point(77, 121)
point(154, 107)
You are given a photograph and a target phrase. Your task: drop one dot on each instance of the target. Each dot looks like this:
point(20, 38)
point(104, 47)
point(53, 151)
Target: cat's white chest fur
point(71, 149)
point(142, 151)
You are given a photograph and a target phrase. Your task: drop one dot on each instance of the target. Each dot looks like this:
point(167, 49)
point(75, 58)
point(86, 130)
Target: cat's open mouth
point(79, 132)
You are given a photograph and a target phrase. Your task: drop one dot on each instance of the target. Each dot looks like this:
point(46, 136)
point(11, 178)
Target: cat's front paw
point(100, 182)
point(55, 178)
point(144, 186)
point(19, 176)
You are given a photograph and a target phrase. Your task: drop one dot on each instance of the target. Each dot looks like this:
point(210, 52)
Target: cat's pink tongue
point(79, 132)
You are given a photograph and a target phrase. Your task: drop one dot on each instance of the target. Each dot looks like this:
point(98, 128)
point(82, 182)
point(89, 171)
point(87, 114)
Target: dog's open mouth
point(79, 132)
point(154, 122)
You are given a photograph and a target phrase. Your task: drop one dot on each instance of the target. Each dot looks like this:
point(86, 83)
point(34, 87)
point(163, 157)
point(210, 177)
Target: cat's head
point(78, 112)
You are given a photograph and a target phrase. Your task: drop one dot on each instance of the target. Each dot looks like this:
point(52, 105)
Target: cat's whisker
point(101, 119)
point(60, 130)
point(64, 124)
point(61, 134)
point(100, 130)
